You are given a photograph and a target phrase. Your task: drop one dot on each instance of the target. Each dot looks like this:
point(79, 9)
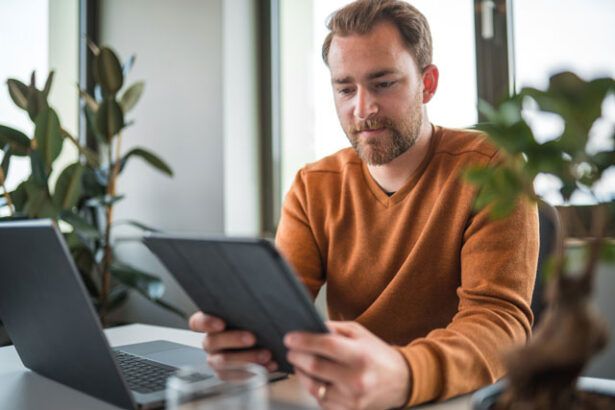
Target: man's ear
point(430, 82)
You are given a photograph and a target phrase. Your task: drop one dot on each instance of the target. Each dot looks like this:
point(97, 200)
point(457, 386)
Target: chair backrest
point(549, 225)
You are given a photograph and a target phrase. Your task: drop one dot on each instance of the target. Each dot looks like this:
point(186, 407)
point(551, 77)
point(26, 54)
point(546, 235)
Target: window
point(548, 38)
point(39, 35)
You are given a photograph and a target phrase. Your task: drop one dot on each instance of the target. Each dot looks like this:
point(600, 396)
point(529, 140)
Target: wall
point(180, 117)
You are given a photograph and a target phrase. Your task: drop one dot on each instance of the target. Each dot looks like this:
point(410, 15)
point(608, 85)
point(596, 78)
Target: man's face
point(378, 92)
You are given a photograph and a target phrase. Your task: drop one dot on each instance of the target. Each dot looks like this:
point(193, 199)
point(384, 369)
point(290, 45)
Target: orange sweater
point(447, 285)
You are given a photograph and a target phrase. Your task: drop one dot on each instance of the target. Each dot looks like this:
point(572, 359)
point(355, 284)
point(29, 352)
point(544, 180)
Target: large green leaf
point(19, 142)
point(109, 119)
point(48, 83)
point(48, 136)
point(38, 176)
point(109, 71)
point(80, 224)
point(146, 284)
point(19, 197)
point(37, 103)
point(38, 204)
point(90, 119)
point(149, 157)
point(68, 187)
point(131, 96)
point(18, 92)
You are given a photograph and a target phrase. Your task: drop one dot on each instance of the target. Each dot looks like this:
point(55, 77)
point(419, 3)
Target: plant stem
point(89, 155)
point(108, 250)
point(6, 193)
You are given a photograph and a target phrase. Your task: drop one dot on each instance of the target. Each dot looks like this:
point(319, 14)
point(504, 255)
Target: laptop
point(48, 315)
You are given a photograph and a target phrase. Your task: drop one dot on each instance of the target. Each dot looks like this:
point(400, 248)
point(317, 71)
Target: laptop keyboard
point(142, 375)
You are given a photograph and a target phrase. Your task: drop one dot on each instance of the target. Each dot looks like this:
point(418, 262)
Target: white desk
point(21, 389)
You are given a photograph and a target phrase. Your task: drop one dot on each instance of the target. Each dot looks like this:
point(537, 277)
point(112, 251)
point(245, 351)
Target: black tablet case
point(246, 282)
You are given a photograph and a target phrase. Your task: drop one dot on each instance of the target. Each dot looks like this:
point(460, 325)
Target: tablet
point(245, 282)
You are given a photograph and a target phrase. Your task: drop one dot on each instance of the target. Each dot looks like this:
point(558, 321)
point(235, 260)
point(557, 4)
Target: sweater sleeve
point(295, 239)
point(498, 269)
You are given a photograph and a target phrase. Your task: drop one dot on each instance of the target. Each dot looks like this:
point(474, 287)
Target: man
point(425, 292)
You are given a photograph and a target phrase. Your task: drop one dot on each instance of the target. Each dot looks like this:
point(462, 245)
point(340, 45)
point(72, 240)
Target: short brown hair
point(361, 16)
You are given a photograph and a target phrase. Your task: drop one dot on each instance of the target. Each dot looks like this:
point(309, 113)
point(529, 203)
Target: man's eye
point(385, 84)
point(344, 91)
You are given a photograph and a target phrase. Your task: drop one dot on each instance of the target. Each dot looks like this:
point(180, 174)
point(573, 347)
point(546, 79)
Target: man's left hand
point(349, 368)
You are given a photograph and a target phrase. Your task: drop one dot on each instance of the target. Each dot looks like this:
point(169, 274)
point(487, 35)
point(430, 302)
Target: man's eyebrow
point(381, 73)
point(370, 76)
point(343, 80)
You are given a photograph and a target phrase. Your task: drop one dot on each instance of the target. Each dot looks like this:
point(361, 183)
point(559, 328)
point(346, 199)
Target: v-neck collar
point(401, 193)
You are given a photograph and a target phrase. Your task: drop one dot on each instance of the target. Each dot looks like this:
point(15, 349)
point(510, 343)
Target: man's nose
point(365, 104)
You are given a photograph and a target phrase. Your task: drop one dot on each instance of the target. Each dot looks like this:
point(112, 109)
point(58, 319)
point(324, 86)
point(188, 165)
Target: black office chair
point(549, 225)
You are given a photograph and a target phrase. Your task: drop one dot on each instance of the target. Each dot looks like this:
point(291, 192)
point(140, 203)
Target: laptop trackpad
point(169, 353)
point(183, 356)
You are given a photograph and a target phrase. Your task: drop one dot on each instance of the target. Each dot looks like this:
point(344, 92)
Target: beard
point(397, 138)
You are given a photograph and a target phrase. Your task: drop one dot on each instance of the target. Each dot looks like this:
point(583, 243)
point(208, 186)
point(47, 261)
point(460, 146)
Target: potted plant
point(543, 374)
point(83, 197)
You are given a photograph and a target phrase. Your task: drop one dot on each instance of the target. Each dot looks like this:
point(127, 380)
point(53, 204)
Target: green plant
point(543, 373)
point(84, 194)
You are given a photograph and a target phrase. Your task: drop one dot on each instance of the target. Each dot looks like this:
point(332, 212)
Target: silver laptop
point(45, 309)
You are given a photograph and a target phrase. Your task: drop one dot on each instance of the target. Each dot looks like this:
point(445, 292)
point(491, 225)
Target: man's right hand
point(227, 346)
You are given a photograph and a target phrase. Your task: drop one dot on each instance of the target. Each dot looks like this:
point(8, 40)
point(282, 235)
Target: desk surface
point(21, 389)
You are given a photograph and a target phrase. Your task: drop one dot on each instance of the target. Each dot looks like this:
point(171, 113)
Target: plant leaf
point(129, 64)
point(19, 197)
point(39, 176)
point(92, 186)
point(80, 224)
point(104, 200)
point(36, 102)
point(149, 157)
point(109, 119)
point(117, 297)
point(90, 119)
point(18, 92)
point(48, 137)
point(19, 142)
point(131, 96)
point(146, 284)
point(48, 83)
point(68, 187)
point(109, 71)
point(38, 204)
point(6, 162)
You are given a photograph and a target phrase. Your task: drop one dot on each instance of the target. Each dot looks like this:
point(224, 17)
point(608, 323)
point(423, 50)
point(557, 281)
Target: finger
point(321, 369)
point(349, 329)
point(272, 366)
point(333, 347)
point(331, 398)
point(219, 360)
point(232, 339)
point(201, 322)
